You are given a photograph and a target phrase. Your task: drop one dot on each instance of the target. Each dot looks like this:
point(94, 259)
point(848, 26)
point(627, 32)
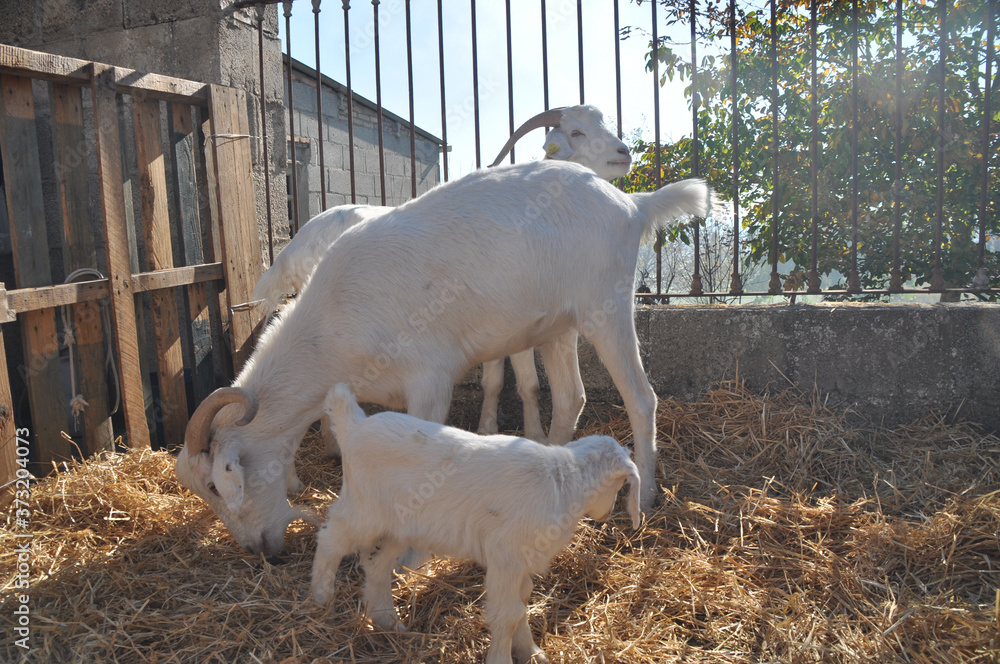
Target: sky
point(599, 66)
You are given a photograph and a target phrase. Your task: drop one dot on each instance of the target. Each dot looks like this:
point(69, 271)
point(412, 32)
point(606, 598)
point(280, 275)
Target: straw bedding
point(784, 535)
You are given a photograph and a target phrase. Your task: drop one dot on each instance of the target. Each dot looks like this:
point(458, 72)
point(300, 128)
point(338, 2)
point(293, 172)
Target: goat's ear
point(632, 503)
point(557, 145)
point(227, 474)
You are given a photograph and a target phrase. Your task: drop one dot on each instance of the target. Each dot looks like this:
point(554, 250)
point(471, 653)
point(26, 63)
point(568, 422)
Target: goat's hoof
point(537, 657)
point(384, 622)
point(319, 594)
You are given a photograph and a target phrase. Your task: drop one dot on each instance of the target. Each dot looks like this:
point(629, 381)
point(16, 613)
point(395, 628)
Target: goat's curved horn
point(549, 118)
point(199, 426)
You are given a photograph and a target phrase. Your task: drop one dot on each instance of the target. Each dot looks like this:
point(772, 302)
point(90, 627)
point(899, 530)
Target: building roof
point(358, 99)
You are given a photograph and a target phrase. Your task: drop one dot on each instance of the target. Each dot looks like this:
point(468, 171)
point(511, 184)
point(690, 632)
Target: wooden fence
point(143, 185)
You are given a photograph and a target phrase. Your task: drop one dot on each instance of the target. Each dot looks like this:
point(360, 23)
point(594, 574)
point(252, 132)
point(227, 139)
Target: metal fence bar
point(579, 44)
point(618, 71)
point(814, 282)
point(378, 104)
point(982, 278)
point(774, 285)
point(510, 83)
point(319, 109)
point(350, 98)
point(444, 111)
point(413, 125)
point(475, 86)
point(896, 275)
point(545, 58)
point(696, 288)
point(937, 275)
point(293, 221)
point(736, 281)
point(263, 134)
point(853, 281)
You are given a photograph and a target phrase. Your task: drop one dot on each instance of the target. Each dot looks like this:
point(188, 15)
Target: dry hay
point(784, 535)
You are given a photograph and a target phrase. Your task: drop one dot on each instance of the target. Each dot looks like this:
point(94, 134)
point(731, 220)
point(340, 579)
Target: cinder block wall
point(396, 148)
point(890, 363)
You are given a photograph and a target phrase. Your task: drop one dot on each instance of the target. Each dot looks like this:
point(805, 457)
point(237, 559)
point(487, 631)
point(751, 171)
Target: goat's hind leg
point(618, 348)
point(378, 564)
point(562, 366)
point(523, 364)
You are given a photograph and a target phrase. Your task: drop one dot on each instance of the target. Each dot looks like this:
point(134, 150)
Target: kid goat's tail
point(687, 197)
point(343, 410)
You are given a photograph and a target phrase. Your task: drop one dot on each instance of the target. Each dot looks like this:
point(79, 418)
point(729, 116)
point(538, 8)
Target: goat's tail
point(269, 289)
point(687, 197)
point(343, 411)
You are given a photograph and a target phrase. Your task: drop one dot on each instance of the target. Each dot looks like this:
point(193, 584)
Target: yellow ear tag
point(552, 150)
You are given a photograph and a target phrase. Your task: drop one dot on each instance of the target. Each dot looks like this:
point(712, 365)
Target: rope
point(78, 403)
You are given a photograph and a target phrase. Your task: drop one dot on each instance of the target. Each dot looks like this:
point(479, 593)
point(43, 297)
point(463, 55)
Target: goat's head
point(245, 486)
point(611, 462)
point(578, 134)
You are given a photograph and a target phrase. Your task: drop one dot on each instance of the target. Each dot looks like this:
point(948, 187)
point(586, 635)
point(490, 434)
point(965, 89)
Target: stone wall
point(889, 363)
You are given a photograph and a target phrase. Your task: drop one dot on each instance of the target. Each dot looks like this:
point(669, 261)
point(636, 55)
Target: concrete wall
point(200, 40)
point(396, 142)
point(890, 363)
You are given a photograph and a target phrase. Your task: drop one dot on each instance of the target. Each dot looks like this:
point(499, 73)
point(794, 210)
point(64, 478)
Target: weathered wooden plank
point(218, 311)
point(178, 276)
point(8, 429)
point(71, 71)
point(237, 213)
point(117, 254)
point(184, 153)
point(172, 406)
point(25, 209)
point(70, 153)
point(24, 300)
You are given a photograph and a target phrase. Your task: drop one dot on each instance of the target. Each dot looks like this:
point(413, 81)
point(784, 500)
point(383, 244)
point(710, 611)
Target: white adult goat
point(508, 503)
point(403, 305)
point(294, 264)
point(579, 135)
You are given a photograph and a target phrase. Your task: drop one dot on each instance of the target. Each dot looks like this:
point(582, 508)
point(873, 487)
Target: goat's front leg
point(492, 384)
point(293, 484)
point(527, 387)
point(568, 397)
point(523, 646)
point(330, 444)
point(429, 399)
point(378, 564)
point(505, 614)
point(333, 543)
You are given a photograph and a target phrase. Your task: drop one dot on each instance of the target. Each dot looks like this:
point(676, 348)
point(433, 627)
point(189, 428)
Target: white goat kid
point(561, 256)
point(508, 503)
